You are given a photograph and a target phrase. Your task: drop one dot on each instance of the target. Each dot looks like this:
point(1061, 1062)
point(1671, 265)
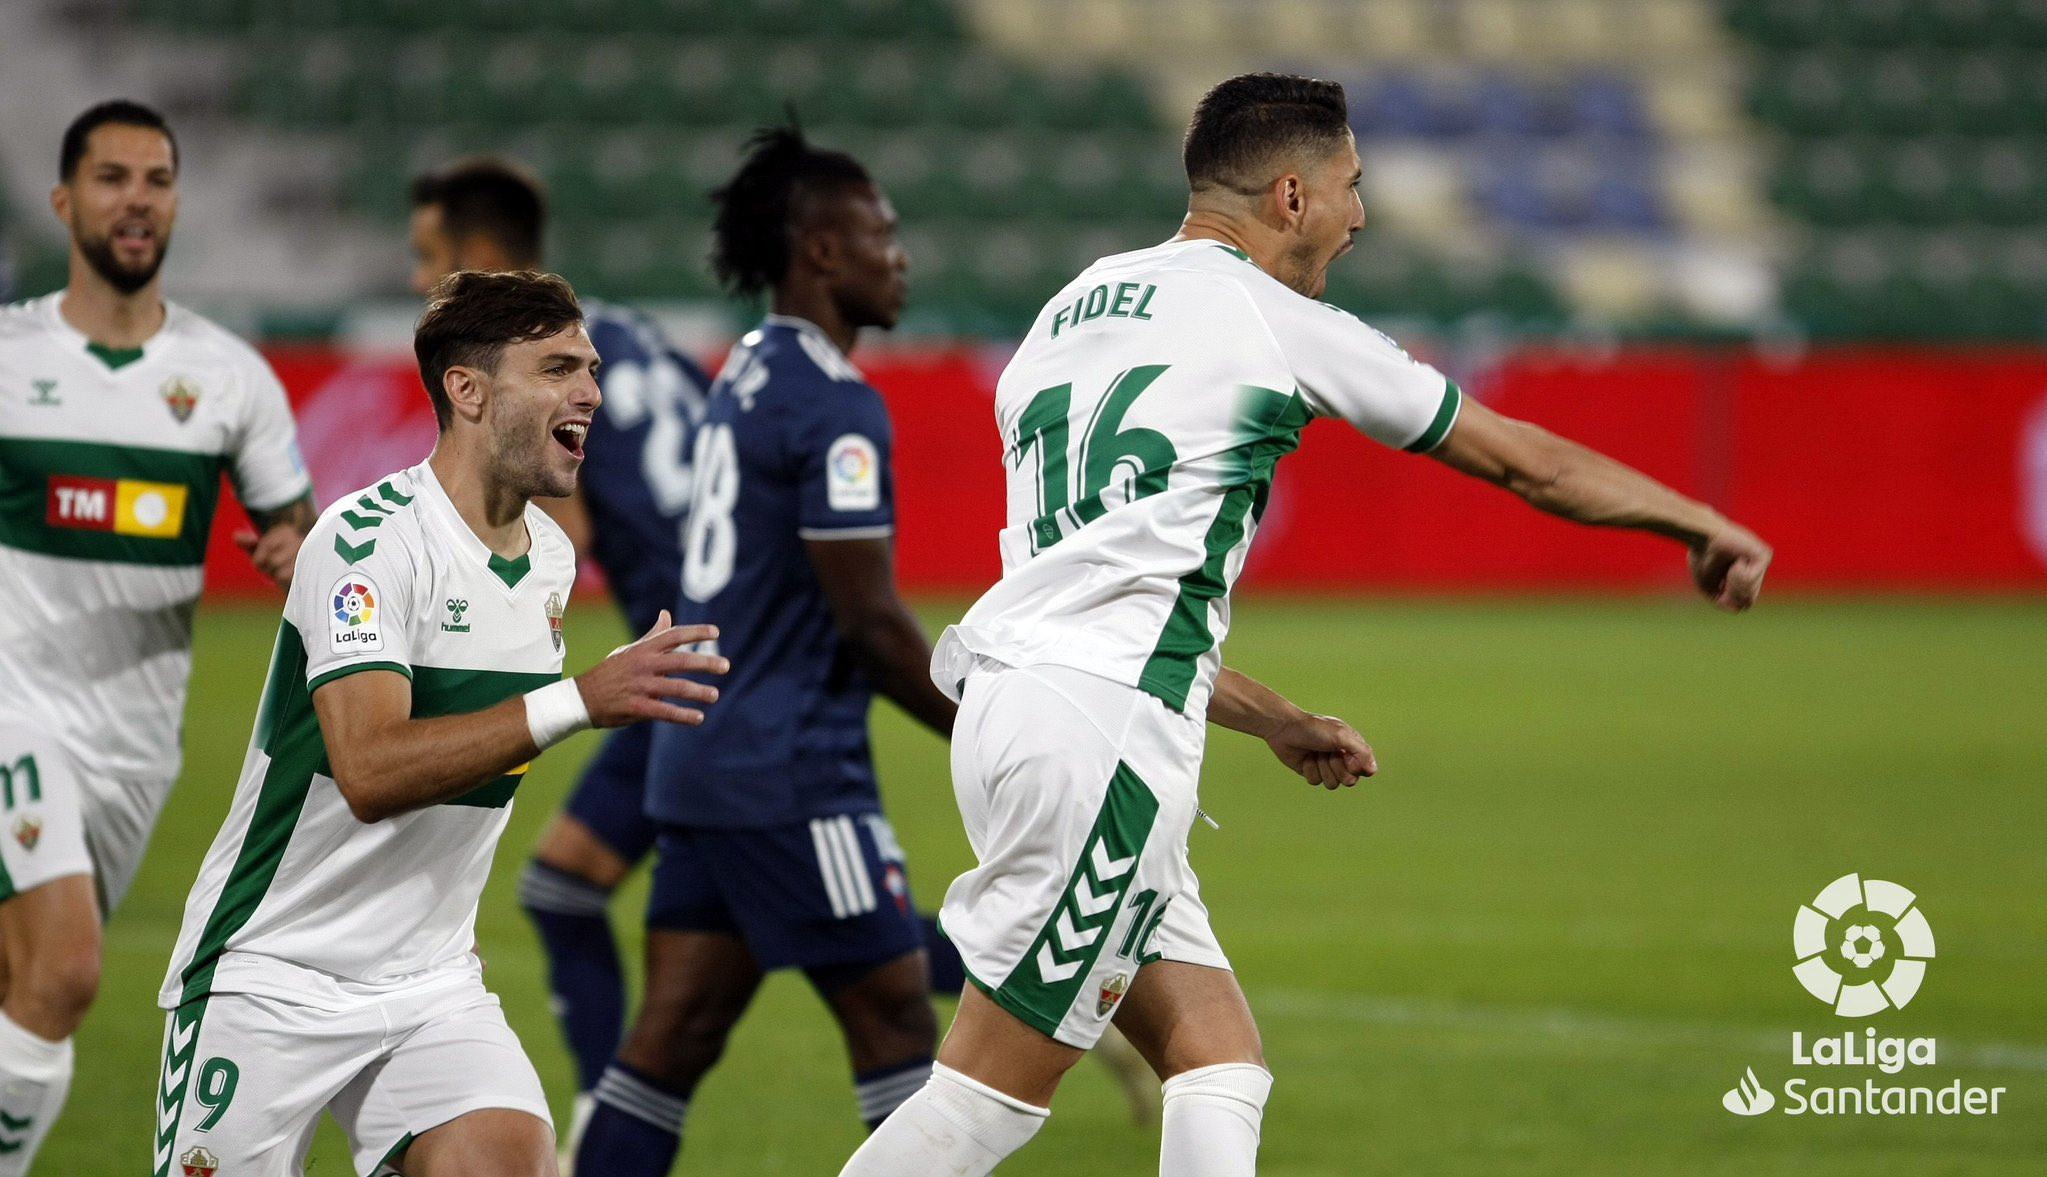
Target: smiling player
point(119, 411)
point(326, 957)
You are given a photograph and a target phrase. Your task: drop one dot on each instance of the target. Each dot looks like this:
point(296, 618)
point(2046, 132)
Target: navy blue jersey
point(636, 474)
point(794, 446)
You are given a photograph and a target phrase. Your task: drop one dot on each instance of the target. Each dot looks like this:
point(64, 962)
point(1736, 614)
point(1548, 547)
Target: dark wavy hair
point(766, 198)
point(471, 316)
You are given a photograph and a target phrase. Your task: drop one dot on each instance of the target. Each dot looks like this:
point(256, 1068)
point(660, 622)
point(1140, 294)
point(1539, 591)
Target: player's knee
point(55, 990)
point(1246, 1085)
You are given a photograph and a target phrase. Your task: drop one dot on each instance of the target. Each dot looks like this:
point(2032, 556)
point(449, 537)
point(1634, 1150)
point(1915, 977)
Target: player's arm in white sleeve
point(356, 612)
point(270, 477)
point(1321, 749)
point(1564, 478)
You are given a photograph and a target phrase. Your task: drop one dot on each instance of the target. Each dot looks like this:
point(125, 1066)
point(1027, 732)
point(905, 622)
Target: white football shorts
point(57, 819)
point(245, 1078)
point(1078, 794)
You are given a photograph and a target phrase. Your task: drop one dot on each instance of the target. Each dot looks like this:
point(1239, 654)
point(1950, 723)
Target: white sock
point(953, 1127)
point(35, 1075)
point(1211, 1119)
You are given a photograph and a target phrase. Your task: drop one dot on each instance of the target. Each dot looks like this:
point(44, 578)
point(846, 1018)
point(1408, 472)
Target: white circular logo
point(1862, 946)
point(150, 509)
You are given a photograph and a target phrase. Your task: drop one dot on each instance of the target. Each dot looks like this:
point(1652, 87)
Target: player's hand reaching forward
point(1324, 750)
point(638, 681)
point(1728, 567)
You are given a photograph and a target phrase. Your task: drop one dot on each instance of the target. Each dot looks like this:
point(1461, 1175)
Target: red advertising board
point(1869, 469)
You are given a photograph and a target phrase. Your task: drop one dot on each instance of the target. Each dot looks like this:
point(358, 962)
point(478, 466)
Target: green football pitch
point(1546, 939)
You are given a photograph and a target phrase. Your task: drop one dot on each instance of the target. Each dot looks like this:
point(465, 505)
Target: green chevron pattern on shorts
point(180, 1047)
point(1043, 985)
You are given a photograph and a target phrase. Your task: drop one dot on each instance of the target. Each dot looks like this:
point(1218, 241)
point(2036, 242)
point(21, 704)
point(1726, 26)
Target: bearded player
point(119, 411)
point(326, 960)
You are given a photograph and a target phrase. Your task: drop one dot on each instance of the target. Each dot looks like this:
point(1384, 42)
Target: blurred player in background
point(773, 849)
point(1142, 419)
point(627, 513)
point(118, 413)
point(326, 959)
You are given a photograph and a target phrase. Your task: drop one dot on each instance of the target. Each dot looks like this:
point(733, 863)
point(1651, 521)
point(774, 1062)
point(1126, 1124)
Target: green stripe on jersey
point(1269, 424)
point(1439, 428)
point(29, 499)
point(1043, 985)
point(296, 754)
point(440, 691)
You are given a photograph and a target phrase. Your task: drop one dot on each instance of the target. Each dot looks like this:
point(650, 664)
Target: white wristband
point(555, 712)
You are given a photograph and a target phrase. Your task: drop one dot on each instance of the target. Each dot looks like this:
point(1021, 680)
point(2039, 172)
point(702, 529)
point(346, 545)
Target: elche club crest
point(554, 619)
point(1112, 992)
point(197, 1162)
point(180, 396)
point(28, 831)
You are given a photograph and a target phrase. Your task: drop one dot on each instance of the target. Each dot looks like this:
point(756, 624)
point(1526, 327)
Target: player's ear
point(466, 388)
point(60, 203)
point(818, 245)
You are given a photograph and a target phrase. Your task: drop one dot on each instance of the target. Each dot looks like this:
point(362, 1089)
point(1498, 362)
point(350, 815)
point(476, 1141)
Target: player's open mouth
point(135, 235)
point(569, 436)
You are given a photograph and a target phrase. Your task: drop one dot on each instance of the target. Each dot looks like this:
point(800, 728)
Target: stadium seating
point(1911, 153)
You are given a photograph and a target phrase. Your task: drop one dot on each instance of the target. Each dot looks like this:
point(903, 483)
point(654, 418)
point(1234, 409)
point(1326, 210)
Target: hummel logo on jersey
point(457, 608)
point(181, 396)
point(45, 393)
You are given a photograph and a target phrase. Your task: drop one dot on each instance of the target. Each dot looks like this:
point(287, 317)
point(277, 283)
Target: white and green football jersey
point(1141, 421)
point(110, 465)
point(299, 900)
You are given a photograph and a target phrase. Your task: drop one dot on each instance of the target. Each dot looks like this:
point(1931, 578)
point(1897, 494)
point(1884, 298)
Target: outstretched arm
point(387, 763)
point(1323, 749)
point(1567, 479)
point(859, 581)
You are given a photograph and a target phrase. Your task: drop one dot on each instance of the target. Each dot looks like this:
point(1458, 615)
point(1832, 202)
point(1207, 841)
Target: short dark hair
point(119, 112)
point(758, 205)
point(1249, 123)
point(472, 316)
point(489, 194)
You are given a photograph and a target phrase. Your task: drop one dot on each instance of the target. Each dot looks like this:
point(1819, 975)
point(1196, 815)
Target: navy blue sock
point(637, 1127)
point(948, 972)
point(883, 1090)
point(584, 973)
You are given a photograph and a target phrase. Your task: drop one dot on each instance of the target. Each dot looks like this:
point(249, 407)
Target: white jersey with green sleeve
point(297, 899)
point(1141, 420)
point(110, 466)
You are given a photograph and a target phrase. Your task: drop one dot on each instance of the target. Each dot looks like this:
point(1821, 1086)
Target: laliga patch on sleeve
point(354, 615)
point(852, 474)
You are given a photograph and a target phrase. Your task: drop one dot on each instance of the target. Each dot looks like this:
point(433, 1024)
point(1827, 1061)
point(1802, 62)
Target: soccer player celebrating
point(1142, 418)
point(773, 850)
point(118, 413)
point(326, 957)
point(627, 513)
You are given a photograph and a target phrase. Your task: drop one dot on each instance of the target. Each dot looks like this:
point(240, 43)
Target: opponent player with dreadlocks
point(773, 851)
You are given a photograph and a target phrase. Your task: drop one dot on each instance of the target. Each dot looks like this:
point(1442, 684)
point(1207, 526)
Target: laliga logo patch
point(352, 621)
point(852, 474)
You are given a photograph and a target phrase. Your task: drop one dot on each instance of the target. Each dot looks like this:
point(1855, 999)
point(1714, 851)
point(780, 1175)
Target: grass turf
point(1544, 940)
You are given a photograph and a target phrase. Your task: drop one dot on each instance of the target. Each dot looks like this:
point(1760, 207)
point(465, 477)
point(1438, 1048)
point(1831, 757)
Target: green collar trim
point(115, 358)
point(1239, 254)
point(511, 571)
